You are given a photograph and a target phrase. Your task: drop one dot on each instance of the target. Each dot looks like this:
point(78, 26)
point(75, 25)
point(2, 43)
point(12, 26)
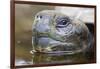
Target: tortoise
point(55, 32)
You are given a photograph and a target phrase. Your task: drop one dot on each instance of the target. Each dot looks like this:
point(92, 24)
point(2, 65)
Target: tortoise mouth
point(58, 49)
point(55, 52)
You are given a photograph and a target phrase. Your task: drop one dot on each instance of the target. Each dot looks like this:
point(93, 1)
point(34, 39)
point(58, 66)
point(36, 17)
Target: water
point(24, 57)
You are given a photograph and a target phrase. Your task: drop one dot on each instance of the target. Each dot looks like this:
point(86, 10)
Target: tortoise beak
point(42, 26)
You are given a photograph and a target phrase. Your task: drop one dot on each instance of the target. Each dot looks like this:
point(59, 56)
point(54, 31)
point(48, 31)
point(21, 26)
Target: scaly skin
point(71, 37)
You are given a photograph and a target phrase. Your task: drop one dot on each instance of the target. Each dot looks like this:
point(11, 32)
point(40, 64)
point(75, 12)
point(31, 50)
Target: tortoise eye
point(63, 22)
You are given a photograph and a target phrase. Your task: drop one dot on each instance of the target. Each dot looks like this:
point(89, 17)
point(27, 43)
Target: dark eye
point(63, 22)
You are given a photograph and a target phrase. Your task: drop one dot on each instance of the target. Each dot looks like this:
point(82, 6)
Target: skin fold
point(55, 32)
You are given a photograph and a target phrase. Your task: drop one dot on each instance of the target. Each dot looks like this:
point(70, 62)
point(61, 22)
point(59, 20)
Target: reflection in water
point(22, 62)
point(39, 58)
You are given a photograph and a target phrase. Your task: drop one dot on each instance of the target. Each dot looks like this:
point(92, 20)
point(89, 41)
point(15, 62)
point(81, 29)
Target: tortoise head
point(55, 31)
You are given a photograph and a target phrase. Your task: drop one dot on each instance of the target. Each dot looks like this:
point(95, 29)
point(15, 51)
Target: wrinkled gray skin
point(55, 32)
